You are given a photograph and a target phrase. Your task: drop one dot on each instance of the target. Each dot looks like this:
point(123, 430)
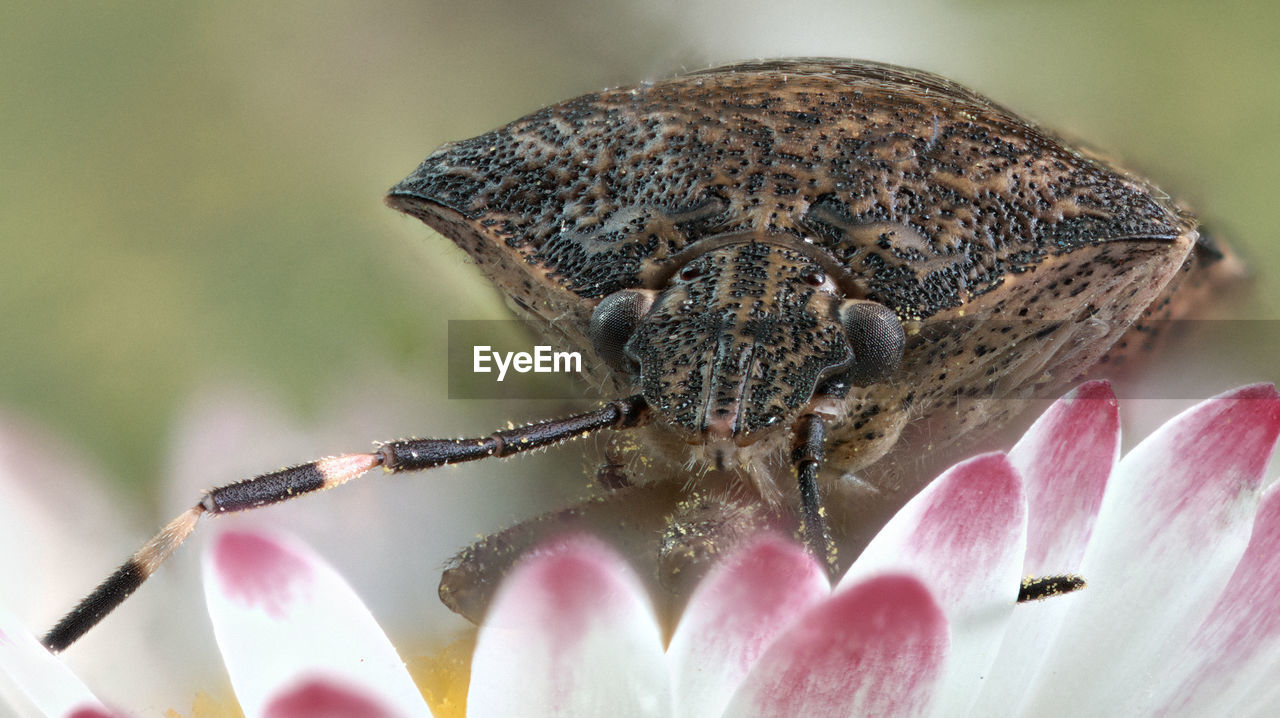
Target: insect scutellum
point(779, 266)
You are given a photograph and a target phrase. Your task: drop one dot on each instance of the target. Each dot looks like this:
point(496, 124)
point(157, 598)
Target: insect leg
point(1038, 588)
point(285, 484)
point(807, 455)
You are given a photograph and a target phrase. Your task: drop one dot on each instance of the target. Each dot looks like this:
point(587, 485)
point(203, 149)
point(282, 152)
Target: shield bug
point(793, 278)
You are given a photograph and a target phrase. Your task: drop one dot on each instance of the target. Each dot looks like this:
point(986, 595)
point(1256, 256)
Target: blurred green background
point(190, 192)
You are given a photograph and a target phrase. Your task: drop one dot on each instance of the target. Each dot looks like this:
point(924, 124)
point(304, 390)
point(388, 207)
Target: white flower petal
point(733, 616)
point(284, 620)
point(1175, 521)
point(964, 535)
point(876, 648)
point(44, 679)
point(1230, 664)
point(1065, 459)
point(571, 632)
point(60, 532)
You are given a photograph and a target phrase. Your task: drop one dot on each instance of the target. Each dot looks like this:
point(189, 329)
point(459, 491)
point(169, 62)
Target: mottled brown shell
point(1015, 260)
point(599, 190)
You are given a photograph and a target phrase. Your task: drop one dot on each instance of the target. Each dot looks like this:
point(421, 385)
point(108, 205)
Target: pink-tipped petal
point(284, 618)
point(877, 648)
point(733, 616)
point(571, 632)
point(1175, 521)
point(964, 535)
point(92, 712)
point(324, 698)
point(45, 680)
point(1236, 650)
point(1065, 459)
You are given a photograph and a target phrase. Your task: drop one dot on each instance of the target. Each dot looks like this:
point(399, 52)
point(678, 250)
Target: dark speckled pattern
point(743, 340)
point(1014, 260)
point(925, 191)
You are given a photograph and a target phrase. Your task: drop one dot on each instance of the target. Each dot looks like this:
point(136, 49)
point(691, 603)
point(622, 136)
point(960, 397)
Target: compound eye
point(614, 321)
point(876, 337)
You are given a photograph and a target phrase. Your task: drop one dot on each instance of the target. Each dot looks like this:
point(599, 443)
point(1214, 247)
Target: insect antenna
point(288, 483)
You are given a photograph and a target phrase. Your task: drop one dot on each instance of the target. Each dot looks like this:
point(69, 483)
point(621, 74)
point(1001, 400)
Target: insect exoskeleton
point(766, 248)
point(795, 280)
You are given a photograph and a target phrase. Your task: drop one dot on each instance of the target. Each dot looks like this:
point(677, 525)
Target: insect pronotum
point(775, 268)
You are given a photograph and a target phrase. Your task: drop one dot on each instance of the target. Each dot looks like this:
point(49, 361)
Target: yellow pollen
point(204, 705)
point(443, 675)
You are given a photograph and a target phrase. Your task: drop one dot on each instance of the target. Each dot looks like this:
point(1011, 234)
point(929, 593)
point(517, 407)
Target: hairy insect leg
point(807, 455)
point(288, 483)
point(630, 519)
point(611, 470)
point(709, 524)
point(669, 534)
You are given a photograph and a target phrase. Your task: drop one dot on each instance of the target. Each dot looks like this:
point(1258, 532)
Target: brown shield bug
point(793, 278)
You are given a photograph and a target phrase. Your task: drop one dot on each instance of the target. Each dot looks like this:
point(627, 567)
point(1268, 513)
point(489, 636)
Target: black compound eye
point(614, 321)
point(876, 337)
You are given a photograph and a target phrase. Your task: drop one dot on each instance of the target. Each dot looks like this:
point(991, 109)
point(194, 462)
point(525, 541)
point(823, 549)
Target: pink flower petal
point(1065, 459)
point(284, 618)
point(321, 698)
point(1175, 521)
point(964, 535)
point(736, 612)
point(1235, 651)
point(571, 632)
point(46, 682)
point(92, 712)
point(876, 648)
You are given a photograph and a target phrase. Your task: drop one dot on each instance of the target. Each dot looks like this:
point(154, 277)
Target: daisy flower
point(296, 640)
point(60, 531)
point(1179, 541)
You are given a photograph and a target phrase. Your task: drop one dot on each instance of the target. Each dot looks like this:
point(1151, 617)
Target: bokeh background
point(198, 278)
